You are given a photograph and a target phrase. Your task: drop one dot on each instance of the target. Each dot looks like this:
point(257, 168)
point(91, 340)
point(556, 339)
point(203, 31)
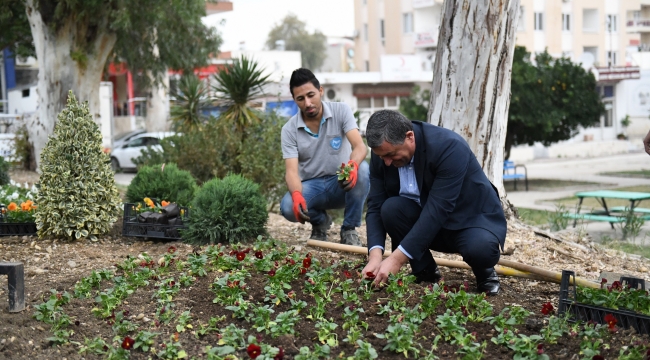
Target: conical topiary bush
point(77, 196)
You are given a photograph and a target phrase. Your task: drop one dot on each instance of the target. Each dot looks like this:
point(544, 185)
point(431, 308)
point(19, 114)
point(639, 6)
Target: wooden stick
point(508, 268)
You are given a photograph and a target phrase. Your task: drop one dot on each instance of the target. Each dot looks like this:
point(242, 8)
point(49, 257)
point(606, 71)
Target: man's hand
point(646, 143)
point(299, 207)
point(374, 260)
point(390, 265)
point(349, 184)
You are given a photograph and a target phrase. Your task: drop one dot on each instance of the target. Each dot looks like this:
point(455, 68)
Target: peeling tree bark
point(59, 72)
point(471, 84)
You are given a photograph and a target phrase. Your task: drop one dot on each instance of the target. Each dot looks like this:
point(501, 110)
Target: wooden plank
point(594, 217)
point(612, 194)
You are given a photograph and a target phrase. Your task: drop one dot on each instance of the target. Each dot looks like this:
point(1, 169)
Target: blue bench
point(510, 173)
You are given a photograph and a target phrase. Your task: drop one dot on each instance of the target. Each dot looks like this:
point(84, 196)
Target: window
point(363, 103)
point(378, 102)
point(381, 31)
point(566, 22)
point(137, 142)
point(521, 25)
point(391, 101)
point(26, 92)
point(365, 32)
point(608, 91)
point(407, 23)
point(611, 23)
point(611, 58)
point(539, 21)
point(590, 20)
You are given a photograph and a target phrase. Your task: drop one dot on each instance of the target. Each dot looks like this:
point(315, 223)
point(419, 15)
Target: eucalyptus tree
point(471, 85)
point(73, 40)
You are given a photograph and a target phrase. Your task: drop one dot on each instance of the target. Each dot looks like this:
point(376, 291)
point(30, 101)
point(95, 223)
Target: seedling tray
point(131, 226)
point(17, 229)
point(583, 312)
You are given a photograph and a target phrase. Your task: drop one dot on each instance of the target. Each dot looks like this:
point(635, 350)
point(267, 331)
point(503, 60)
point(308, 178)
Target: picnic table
point(611, 214)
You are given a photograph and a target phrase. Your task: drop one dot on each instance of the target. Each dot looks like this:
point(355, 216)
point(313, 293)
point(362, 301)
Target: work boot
point(487, 281)
point(430, 274)
point(350, 237)
point(319, 232)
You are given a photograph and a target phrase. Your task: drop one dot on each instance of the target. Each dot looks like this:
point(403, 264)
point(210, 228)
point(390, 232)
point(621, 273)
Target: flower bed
point(615, 305)
point(17, 220)
point(170, 230)
point(265, 301)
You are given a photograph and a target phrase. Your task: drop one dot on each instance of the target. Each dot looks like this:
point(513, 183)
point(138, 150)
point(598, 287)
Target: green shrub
point(231, 209)
point(216, 151)
point(4, 171)
point(168, 183)
point(77, 195)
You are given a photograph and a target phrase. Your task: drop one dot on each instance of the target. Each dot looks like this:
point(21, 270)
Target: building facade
point(608, 37)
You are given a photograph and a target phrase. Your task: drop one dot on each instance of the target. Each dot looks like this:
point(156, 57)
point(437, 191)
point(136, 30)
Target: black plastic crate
point(583, 312)
point(131, 226)
point(17, 229)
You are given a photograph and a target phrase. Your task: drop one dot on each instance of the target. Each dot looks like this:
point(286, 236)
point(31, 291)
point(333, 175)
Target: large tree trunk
point(59, 72)
point(158, 106)
point(471, 83)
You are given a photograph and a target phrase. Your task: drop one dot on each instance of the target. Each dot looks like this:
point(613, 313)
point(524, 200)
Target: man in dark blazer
point(428, 191)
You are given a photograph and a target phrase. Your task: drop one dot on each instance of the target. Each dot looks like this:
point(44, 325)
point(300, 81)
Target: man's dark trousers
point(478, 247)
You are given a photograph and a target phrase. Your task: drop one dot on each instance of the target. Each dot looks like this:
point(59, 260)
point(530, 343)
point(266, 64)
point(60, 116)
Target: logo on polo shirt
point(336, 143)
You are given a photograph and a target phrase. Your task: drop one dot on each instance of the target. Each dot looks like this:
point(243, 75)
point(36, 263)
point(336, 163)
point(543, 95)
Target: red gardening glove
point(347, 185)
point(299, 207)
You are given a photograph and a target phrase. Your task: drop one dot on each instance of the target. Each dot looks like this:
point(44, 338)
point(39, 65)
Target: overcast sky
point(251, 20)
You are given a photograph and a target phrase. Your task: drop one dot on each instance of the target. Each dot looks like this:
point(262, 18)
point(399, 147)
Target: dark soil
point(23, 337)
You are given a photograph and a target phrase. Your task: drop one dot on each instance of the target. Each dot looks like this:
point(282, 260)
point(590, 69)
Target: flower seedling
point(325, 332)
point(343, 173)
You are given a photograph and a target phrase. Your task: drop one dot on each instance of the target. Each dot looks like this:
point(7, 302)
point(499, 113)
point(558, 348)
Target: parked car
point(121, 139)
point(122, 157)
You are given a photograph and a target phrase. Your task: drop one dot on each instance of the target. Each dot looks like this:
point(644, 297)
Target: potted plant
point(154, 219)
point(17, 219)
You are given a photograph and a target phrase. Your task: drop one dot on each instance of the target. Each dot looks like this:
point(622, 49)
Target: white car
point(122, 157)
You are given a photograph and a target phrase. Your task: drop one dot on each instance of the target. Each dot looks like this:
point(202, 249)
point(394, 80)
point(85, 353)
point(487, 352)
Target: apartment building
point(610, 38)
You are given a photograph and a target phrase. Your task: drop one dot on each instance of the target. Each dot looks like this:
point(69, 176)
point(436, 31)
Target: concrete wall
point(22, 105)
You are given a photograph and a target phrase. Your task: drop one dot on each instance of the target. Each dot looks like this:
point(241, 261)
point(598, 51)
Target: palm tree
point(237, 85)
point(191, 96)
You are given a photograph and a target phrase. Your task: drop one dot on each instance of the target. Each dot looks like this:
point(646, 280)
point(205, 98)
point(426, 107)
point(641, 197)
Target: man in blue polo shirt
point(315, 142)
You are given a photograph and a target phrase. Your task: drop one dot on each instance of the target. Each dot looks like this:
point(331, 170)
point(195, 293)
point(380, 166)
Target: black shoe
point(319, 232)
point(489, 284)
point(430, 274)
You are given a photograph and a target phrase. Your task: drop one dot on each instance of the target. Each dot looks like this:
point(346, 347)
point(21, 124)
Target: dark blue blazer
point(454, 192)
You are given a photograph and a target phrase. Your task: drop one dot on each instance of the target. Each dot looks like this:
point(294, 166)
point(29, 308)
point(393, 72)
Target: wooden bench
point(510, 173)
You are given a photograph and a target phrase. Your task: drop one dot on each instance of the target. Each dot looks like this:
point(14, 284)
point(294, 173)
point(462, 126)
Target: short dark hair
point(302, 76)
point(388, 125)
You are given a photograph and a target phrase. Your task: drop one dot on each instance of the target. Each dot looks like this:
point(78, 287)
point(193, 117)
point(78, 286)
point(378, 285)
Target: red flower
point(303, 271)
point(540, 349)
point(311, 281)
point(466, 285)
point(611, 321)
point(370, 275)
point(241, 256)
point(247, 250)
point(400, 282)
point(259, 255)
point(598, 357)
point(279, 355)
point(171, 249)
point(127, 344)
point(547, 308)
point(347, 274)
point(254, 351)
point(464, 310)
point(271, 272)
point(306, 263)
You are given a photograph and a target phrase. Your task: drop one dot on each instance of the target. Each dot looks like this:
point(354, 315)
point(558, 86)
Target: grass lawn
point(590, 203)
point(544, 184)
point(644, 173)
point(533, 216)
point(642, 250)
